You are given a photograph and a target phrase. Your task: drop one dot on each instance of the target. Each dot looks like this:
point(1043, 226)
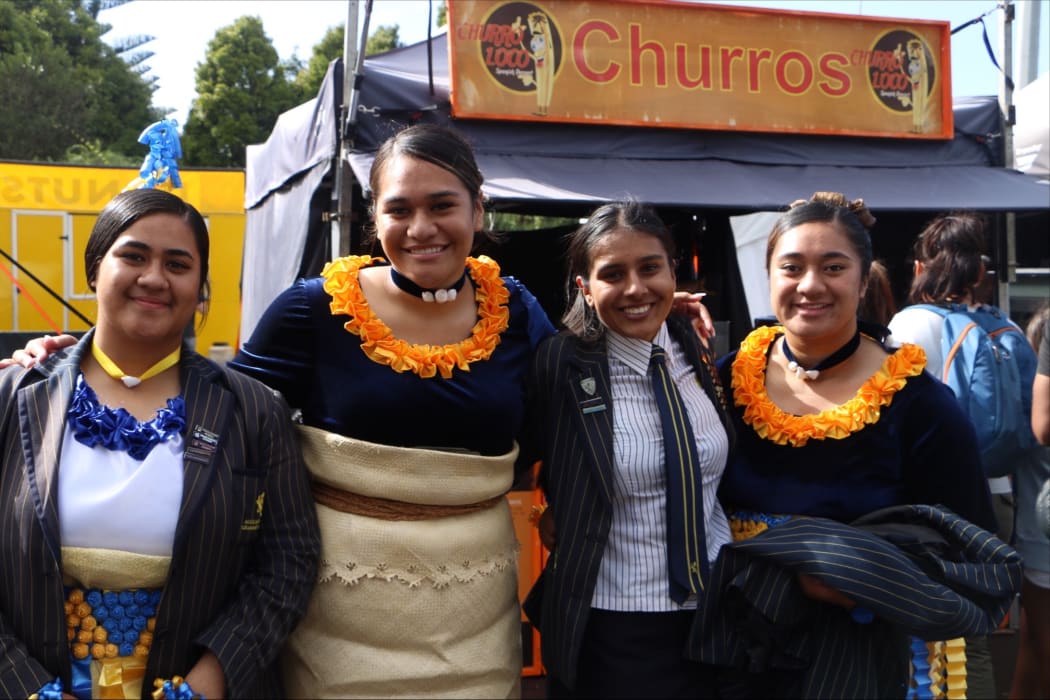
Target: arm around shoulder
point(537, 408)
point(281, 349)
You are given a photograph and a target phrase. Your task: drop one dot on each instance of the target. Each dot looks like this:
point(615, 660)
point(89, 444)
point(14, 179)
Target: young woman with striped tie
point(631, 491)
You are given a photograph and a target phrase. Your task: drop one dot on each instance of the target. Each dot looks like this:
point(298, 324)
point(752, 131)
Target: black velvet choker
point(835, 358)
point(439, 295)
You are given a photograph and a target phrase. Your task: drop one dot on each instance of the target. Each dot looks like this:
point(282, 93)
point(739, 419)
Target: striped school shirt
point(633, 574)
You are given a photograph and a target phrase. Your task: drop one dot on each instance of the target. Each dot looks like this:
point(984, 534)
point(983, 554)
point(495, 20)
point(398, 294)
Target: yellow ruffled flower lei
point(773, 424)
point(378, 341)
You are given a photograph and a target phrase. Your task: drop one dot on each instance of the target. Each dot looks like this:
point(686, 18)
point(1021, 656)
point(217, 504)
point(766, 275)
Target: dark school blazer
point(576, 446)
point(239, 579)
point(919, 570)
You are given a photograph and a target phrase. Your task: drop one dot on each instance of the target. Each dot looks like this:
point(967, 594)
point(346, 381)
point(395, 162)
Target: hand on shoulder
point(691, 304)
point(37, 350)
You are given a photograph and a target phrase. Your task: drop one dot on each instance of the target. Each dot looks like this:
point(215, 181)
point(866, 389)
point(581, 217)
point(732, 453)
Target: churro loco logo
point(520, 46)
point(902, 72)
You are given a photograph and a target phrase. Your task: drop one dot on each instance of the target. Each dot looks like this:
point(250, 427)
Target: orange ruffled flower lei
point(378, 341)
point(771, 423)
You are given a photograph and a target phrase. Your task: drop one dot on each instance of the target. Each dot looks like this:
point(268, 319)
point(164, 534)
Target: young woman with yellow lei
point(158, 527)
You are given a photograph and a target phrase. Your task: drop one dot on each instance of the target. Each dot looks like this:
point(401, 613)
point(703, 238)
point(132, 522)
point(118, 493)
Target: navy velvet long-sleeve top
point(301, 349)
point(922, 450)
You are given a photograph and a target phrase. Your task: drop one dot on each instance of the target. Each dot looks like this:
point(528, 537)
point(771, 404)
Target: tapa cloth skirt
point(409, 608)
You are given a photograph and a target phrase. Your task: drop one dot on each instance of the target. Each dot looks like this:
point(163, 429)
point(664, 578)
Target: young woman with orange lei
point(409, 370)
point(833, 426)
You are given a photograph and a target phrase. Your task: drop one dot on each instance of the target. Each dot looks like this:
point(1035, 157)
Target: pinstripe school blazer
point(236, 586)
point(920, 570)
point(577, 476)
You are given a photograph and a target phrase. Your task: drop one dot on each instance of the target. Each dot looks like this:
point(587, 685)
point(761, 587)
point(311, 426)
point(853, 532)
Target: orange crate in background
point(531, 559)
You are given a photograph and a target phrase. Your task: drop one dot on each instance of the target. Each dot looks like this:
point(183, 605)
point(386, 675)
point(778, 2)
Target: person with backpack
point(984, 358)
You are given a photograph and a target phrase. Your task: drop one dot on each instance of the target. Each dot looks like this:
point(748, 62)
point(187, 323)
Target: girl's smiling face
point(425, 221)
point(630, 283)
point(815, 282)
point(149, 281)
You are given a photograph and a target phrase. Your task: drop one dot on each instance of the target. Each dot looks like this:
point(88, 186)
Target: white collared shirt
point(633, 574)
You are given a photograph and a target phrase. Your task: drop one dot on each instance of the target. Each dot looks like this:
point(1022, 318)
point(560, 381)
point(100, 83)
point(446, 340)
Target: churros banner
point(685, 65)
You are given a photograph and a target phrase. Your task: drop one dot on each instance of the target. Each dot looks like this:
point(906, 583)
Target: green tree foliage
point(37, 89)
point(325, 51)
point(127, 46)
point(93, 7)
point(384, 38)
point(331, 47)
point(93, 153)
point(442, 18)
point(61, 85)
point(241, 89)
point(504, 222)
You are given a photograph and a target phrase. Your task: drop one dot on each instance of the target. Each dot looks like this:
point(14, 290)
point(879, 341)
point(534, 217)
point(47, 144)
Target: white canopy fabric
point(292, 163)
point(1032, 131)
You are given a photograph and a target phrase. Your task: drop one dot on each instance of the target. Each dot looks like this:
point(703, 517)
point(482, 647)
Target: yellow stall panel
point(46, 215)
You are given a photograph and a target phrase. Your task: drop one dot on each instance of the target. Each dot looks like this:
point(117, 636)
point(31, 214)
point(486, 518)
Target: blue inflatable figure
point(164, 147)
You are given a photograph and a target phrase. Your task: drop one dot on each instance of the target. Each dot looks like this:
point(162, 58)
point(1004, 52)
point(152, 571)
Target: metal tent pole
point(353, 64)
point(1006, 107)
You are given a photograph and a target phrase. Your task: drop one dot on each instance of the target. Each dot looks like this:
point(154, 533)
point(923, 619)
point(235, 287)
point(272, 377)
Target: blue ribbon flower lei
point(175, 689)
point(50, 691)
point(116, 429)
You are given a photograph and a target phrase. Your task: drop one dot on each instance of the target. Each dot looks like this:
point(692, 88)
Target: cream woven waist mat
point(432, 609)
point(435, 551)
point(409, 474)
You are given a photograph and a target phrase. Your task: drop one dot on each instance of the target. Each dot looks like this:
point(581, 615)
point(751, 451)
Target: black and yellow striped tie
point(686, 543)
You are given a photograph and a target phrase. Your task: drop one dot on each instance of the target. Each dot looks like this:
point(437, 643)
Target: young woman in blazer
point(158, 520)
point(611, 624)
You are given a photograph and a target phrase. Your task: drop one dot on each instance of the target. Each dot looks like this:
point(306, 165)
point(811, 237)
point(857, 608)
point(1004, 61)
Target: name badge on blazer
point(593, 405)
point(202, 445)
